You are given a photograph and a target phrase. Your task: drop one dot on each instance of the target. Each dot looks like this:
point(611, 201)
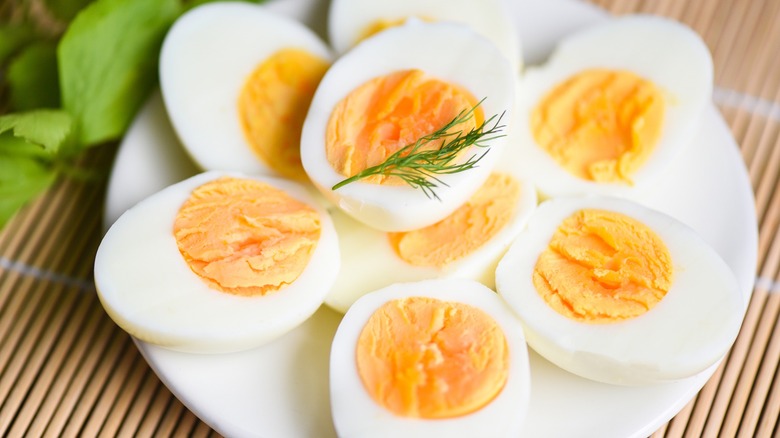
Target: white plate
point(281, 389)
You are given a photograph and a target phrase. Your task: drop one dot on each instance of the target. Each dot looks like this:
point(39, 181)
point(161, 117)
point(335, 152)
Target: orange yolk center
point(245, 237)
point(384, 24)
point(273, 105)
point(390, 112)
point(602, 267)
point(426, 358)
point(600, 125)
point(472, 225)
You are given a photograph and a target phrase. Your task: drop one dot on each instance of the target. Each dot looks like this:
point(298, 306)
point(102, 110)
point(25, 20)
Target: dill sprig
point(418, 167)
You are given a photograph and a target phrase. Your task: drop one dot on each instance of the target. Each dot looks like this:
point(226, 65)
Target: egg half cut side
point(350, 22)
point(466, 244)
point(218, 262)
point(436, 357)
point(613, 107)
point(237, 80)
point(388, 92)
point(616, 292)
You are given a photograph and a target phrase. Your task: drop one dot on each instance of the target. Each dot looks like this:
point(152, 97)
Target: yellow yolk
point(600, 125)
point(384, 24)
point(426, 358)
point(603, 267)
point(273, 105)
point(390, 112)
point(477, 221)
point(245, 237)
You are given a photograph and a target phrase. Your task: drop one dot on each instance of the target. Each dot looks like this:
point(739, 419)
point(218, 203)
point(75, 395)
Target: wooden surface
point(67, 370)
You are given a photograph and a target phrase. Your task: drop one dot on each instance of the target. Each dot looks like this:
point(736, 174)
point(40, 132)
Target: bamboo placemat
point(66, 369)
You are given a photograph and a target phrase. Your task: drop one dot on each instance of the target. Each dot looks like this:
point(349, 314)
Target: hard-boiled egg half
point(351, 21)
point(392, 90)
point(430, 358)
point(466, 244)
point(237, 81)
point(613, 106)
point(616, 292)
point(217, 262)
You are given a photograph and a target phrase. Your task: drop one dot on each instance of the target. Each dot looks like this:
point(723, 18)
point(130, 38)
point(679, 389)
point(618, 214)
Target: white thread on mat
point(752, 104)
point(46, 275)
point(767, 284)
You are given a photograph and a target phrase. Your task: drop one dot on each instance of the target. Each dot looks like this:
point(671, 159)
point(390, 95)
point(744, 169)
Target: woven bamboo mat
point(66, 369)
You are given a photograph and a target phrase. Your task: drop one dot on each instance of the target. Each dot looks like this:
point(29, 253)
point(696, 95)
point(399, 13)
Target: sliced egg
point(466, 244)
point(237, 81)
point(616, 292)
point(430, 358)
point(613, 106)
point(390, 92)
point(351, 21)
point(217, 262)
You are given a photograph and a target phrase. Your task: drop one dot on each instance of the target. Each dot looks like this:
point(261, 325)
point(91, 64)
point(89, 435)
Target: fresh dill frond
point(418, 167)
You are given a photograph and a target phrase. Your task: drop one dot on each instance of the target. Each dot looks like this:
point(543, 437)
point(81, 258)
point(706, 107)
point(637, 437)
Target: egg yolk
point(472, 225)
point(600, 125)
point(245, 237)
point(384, 24)
point(603, 267)
point(426, 358)
point(390, 112)
point(273, 104)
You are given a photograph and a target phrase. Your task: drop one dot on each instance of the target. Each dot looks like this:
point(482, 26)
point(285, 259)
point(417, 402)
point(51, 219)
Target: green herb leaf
point(418, 166)
point(108, 63)
point(21, 179)
point(48, 130)
point(32, 78)
point(65, 10)
point(19, 147)
point(13, 38)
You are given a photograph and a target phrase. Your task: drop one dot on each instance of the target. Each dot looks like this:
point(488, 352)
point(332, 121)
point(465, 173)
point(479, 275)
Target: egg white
point(356, 414)
point(368, 261)
point(349, 19)
point(660, 50)
point(149, 290)
point(690, 329)
point(450, 52)
point(205, 60)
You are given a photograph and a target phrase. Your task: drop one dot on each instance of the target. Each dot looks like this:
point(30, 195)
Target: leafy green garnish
point(66, 10)
point(30, 144)
point(49, 130)
point(21, 179)
point(108, 63)
point(418, 167)
point(32, 78)
point(12, 38)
